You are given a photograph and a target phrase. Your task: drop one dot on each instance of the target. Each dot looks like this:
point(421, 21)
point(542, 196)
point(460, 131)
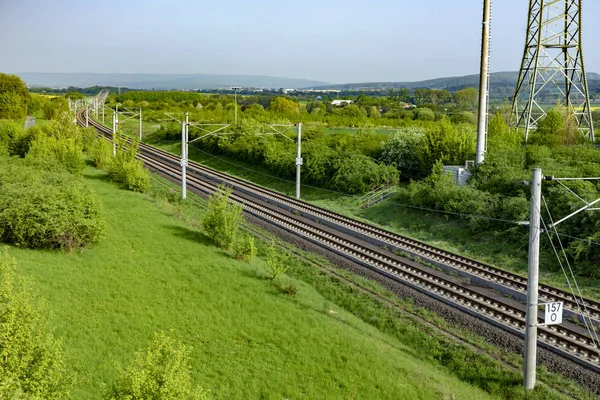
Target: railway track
point(362, 243)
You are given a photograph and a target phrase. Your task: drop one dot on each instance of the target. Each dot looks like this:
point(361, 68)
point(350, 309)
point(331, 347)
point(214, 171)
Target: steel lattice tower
point(552, 69)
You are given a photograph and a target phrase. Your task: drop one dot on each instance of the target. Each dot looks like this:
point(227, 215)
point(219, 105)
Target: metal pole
point(114, 132)
point(140, 124)
point(483, 84)
point(235, 106)
point(299, 160)
point(87, 117)
point(532, 281)
point(184, 134)
point(102, 114)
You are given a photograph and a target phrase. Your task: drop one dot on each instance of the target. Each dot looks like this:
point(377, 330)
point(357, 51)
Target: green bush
point(162, 372)
point(276, 266)
point(125, 168)
point(223, 219)
point(245, 249)
point(45, 209)
point(101, 153)
point(67, 152)
point(32, 365)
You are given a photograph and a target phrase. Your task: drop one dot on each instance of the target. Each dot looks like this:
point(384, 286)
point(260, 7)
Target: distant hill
point(502, 84)
point(162, 81)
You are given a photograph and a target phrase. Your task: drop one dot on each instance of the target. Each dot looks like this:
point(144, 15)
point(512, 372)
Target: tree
point(405, 150)
point(467, 98)
point(32, 363)
point(14, 97)
point(283, 105)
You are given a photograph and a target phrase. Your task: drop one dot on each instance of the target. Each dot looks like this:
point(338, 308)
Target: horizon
point(336, 42)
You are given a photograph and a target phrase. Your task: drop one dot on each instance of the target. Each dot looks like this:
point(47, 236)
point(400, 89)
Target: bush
point(275, 265)
point(222, 219)
point(245, 249)
point(101, 153)
point(32, 364)
point(125, 168)
point(44, 209)
point(162, 372)
point(66, 152)
point(464, 117)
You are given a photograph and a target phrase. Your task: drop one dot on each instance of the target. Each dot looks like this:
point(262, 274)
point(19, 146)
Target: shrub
point(275, 265)
point(464, 117)
point(222, 220)
point(245, 249)
point(66, 152)
point(32, 361)
point(125, 168)
point(101, 153)
point(44, 209)
point(162, 372)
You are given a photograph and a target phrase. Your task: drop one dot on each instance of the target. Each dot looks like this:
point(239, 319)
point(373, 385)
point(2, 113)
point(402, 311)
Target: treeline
point(339, 162)
point(363, 111)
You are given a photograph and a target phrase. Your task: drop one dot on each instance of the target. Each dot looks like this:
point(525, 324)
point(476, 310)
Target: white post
point(140, 124)
point(184, 161)
point(114, 132)
point(483, 84)
point(298, 160)
point(532, 281)
point(87, 117)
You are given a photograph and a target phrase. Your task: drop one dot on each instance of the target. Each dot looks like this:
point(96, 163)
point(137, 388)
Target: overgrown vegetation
point(32, 361)
point(162, 372)
point(46, 209)
point(223, 219)
point(125, 168)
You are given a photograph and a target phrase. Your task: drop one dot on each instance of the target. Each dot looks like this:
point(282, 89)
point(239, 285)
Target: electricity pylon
point(552, 71)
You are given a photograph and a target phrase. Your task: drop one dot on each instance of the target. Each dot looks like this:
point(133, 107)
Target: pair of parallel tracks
point(370, 246)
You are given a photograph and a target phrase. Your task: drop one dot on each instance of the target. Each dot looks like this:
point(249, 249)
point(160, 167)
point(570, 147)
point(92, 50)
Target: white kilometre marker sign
point(554, 313)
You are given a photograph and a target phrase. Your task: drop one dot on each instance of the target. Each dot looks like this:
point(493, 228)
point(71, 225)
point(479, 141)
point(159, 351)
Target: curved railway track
point(362, 243)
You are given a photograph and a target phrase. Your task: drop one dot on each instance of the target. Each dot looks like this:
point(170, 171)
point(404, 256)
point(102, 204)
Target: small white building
point(459, 173)
point(338, 103)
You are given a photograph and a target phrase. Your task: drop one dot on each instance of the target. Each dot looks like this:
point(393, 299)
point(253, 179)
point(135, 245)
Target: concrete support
point(484, 74)
point(532, 282)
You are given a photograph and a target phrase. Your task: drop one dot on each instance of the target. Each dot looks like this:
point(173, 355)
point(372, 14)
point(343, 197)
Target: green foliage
point(162, 372)
point(101, 153)
point(464, 117)
point(424, 114)
point(222, 220)
point(14, 97)
point(245, 249)
point(276, 266)
point(55, 108)
point(283, 105)
point(406, 150)
point(44, 209)
point(66, 152)
point(467, 98)
point(32, 363)
point(453, 144)
point(501, 135)
point(125, 168)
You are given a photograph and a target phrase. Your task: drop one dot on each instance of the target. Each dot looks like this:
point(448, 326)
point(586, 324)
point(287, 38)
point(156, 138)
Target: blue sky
point(329, 40)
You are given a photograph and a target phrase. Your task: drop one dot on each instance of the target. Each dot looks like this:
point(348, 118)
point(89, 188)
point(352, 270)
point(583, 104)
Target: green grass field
point(155, 272)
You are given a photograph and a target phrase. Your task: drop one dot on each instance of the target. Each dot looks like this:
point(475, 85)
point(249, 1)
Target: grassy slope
point(152, 272)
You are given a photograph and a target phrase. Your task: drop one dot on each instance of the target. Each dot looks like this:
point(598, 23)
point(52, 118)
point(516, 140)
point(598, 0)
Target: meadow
point(154, 272)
